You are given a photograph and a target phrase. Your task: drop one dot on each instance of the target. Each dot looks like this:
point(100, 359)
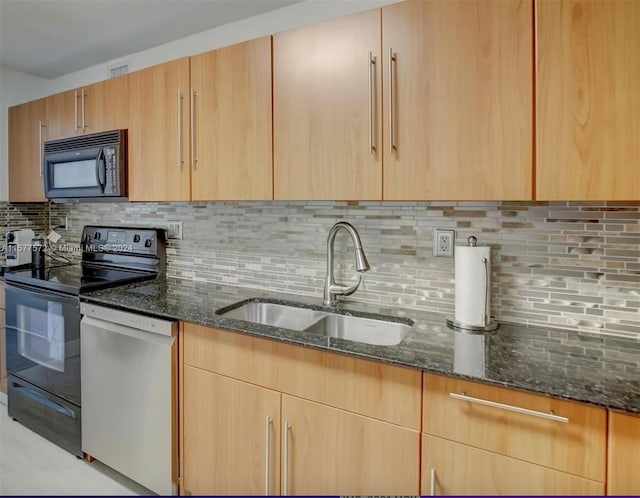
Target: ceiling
point(51, 38)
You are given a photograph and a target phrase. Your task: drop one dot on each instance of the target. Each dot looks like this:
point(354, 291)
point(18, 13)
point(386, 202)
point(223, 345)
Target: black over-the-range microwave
point(88, 167)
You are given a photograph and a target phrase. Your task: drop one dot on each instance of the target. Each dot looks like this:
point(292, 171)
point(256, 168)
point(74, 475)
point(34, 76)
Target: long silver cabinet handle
point(432, 484)
point(285, 462)
point(267, 454)
point(392, 145)
point(83, 96)
point(40, 152)
point(75, 101)
point(193, 128)
point(179, 106)
point(372, 64)
point(511, 408)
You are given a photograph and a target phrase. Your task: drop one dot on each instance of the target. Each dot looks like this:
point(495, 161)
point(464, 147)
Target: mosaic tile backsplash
point(16, 216)
point(573, 265)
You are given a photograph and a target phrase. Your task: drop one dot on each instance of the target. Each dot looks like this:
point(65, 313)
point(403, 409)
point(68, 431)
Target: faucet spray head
point(362, 265)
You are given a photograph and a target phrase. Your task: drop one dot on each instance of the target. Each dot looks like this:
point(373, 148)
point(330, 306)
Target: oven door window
point(41, 335)
point(43, 339)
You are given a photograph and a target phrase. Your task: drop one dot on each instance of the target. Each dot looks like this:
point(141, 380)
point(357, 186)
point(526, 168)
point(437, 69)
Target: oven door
point(43, 339)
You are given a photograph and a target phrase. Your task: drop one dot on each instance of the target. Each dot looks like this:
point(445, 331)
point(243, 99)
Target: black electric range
point(43, 325)
point(79, 277)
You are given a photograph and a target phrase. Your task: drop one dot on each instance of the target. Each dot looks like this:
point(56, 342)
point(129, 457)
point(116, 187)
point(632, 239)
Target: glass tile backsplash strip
point(572, 265)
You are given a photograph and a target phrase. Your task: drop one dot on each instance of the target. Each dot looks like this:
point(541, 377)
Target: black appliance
point(90, 167)
point(43, 325)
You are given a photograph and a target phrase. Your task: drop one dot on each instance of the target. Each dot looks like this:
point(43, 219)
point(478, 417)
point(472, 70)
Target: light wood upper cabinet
point(458, 100)
point(232, 123)
point(159, 161)
point(231, 442)
point(324, 115)
point(27, 130)
point(90, 109)
point(624, 454)
point(330, 451)
point(62, 112)
point(588, 75)
point(450, 468)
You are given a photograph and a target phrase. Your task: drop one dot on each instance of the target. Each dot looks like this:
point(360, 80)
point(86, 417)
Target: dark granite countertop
point(597, 369)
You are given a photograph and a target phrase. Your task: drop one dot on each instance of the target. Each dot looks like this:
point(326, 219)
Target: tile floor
point(31, 465)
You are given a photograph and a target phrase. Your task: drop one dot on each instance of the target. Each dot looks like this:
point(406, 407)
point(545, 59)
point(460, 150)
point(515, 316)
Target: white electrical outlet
point(174, 230)
point(443, 243)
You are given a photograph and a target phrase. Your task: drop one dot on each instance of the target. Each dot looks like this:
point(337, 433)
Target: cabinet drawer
point(577, 446)
point(369, 388)
point(457, 469)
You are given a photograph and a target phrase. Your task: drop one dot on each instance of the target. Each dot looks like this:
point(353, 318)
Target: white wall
point(16, 87)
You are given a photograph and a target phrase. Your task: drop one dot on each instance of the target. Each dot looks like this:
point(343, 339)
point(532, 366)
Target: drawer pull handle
point(432, 487)
point(511, 408)
point(267, 456)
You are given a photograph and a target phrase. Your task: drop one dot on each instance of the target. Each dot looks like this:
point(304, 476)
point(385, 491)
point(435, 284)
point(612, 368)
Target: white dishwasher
point(129, 408)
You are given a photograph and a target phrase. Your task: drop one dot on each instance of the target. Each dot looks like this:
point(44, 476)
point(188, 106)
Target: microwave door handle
point(101, 170)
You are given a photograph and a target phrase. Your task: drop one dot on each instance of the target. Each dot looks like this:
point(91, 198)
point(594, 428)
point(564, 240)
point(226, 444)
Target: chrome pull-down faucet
point(331, 289)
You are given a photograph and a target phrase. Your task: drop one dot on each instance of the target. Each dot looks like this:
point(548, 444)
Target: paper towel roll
point(473, 281)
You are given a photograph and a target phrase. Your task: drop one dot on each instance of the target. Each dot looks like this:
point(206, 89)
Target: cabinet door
point(27, 124)
point(229, 445)
point(588, 75)
point(458, 100)
point(232, 123)
point(624, 454)
point(104, 106)
point(332, 452)
point(159, 133)
point(325, 120)
point(63, 114)
point(450, 468)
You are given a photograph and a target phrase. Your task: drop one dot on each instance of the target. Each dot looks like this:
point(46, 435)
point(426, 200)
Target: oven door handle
point(101, 171)
point(36, 396)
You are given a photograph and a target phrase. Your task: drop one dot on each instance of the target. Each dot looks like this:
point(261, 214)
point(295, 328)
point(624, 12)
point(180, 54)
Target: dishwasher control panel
point(142, 322)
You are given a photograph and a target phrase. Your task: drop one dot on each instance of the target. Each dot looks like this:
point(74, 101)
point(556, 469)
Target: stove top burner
point(75, 278)
point(111, 256)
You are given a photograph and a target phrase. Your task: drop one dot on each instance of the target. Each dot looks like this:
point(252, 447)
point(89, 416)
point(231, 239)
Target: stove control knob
point(10, 236)
point(147, 243)
point(136, 238)
point(97, 235)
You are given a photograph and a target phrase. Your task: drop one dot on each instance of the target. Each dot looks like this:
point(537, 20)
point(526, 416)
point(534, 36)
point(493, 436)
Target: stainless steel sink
point(376, 332)
point(276, 315)
point(351, 328)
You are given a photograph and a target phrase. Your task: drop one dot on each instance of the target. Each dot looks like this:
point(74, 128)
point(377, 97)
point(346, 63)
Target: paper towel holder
point(490, 324)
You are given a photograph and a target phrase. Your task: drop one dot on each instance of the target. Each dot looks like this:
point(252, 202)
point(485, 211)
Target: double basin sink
point(328, 324)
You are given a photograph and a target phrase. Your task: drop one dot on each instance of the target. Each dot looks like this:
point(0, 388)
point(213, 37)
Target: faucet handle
point(347, 290)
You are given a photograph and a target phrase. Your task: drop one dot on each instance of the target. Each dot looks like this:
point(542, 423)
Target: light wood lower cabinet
point(492, 418)
point(231, 436)
point(624, 454)
point(330, 451)
point(232, 382)
point(450, 468)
